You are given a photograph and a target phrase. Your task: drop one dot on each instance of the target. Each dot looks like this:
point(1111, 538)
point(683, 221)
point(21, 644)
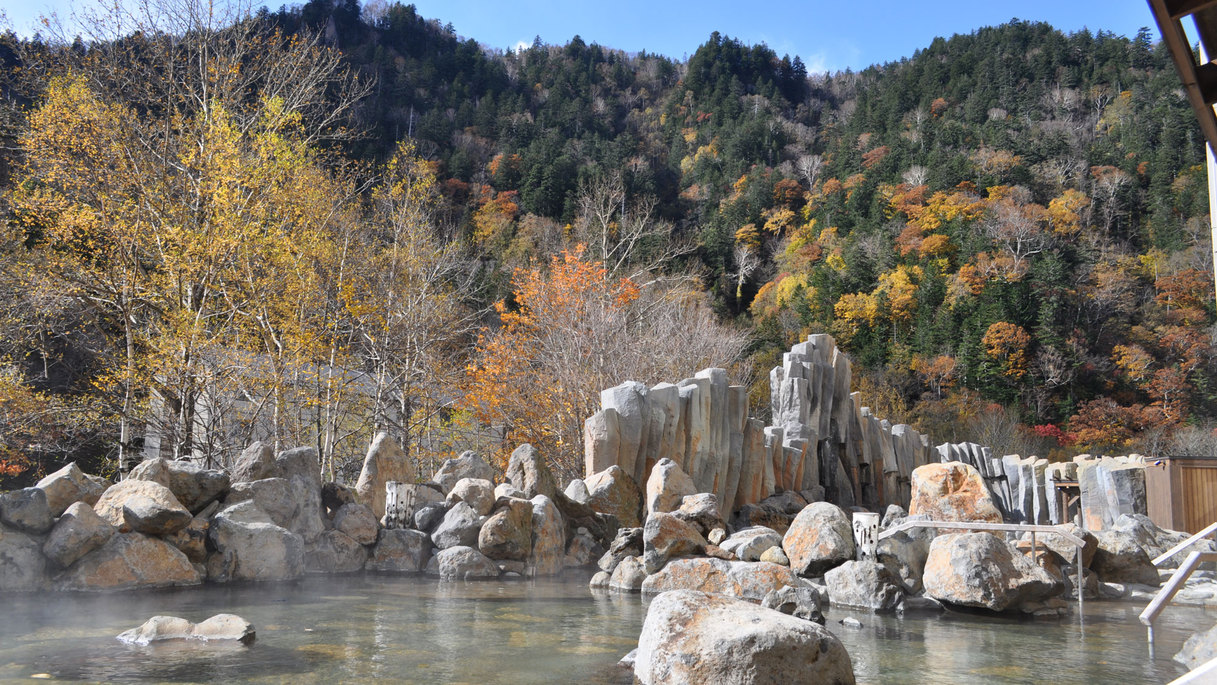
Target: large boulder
point(68, 485)
point(274, 496)
point(951, 491)
point(613, 491)
point(665, 536)
point(904, 555)
point(507, 534)
point(400, 551)
point(22, 566)
point(219, 627)
point(26, 510)
point(144, 506)
point(1119, 559)
point(290, 494)
point(743, 579)
point(459, 528)
point(667, 486)
point(428, 517)
point(702, 511)
point(819, 538)
point(462, 563)
point(548, 537)
point(1066, 551)
point(194, 486)
point(249, 546)
point(77, 532)
point(529, 473)
point(980, 570)
point(357, 521)
point(384, 462)
point(334, 552)
point(130, 561)
point(475, 492)
point(468, 465)
point(257, 461)
point(694, 637)
point(750, 543)
point(863, 585)
point(1157, 541)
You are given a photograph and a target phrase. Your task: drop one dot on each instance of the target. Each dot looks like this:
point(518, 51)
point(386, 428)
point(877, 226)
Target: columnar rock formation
point(821, 439)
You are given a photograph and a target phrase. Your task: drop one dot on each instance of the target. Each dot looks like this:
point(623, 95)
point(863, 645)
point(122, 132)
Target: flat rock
point(224, 627)
point(742, 579)
point(694, 637)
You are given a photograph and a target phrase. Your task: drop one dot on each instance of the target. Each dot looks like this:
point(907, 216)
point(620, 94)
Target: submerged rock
point(218, 627)
point(806, 603)
point(694, 637)
point(462, 563)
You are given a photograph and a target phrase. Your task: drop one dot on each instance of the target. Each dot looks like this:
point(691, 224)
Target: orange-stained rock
point(130, 561)
point(743, 579)
point(666, 536)
point(144, 506)
point(952, 491)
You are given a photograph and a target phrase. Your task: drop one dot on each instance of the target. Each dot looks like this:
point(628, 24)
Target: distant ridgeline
point(825, 443)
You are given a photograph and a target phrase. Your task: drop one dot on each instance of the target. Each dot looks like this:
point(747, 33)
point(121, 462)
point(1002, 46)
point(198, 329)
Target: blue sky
point(827, 35)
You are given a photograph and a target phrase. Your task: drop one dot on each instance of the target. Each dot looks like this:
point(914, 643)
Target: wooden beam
point(1182, 8)
point(1185, 64)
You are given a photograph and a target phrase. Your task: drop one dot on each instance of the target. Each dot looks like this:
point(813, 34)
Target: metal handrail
point(1169, 590)
point(1032, 528)
point(1212, 527)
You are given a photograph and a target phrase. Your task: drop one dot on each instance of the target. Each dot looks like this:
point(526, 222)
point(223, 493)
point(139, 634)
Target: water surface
point(327, 629)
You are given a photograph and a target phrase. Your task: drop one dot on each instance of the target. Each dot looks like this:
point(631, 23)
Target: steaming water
point(410, 629)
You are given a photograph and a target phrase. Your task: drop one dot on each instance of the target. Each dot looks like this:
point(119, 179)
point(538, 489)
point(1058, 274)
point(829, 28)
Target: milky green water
point(418, 630)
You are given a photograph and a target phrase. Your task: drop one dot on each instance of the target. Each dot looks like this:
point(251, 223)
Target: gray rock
point(68, 485)
point(357, 522)
point(599, 581)
point(693, 637)
point(26, 510)
point(775, 555)
point(788, 502)
point(459, 528)
point(129, 561)
point(801, 602)
point(750, 543)
point(272, 495)
point(613, 491)
point(475, 492)
point(892, 516)
point(548, 537)
point(334, 495)
point(401, 551)
point(77, 532)
point(627, 543)
point(1065, 551)
point(222, 627)
point(904, 554)
point(194, 486)
point(291, 495)
point(468, 465)
point(701, 510)
point(508, 490)
point(192, 540)
point(576, 489)
point(819, 538)
point(22, 566)
point(863, 585)
point(507, 534)
point(667, 486)
point(429, 516)
point(462, 563)
point(528, 472)
point(385, 461)
point(1199, 649)
point(1119, 559)
point(742, 579)
point(665, 536)
point(334, 552)
point(249, 546)
point(628, 576)
point(257, 461)
point(144, 506)
point(981, 570)
point(582, 550)
point(1157, 541)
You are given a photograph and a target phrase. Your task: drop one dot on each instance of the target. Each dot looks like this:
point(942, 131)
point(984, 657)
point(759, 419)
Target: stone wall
point(821, 439)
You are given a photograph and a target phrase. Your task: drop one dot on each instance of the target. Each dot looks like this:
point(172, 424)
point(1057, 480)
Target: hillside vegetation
point(1007, 231)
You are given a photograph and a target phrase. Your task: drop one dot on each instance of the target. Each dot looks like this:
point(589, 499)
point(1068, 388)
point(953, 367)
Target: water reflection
point(410, 629)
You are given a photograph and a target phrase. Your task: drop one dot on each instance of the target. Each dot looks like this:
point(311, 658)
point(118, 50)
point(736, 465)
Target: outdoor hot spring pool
point(413, 629)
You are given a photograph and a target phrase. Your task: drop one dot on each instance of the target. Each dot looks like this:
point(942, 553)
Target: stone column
point(866, 535)
point(601, 441)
